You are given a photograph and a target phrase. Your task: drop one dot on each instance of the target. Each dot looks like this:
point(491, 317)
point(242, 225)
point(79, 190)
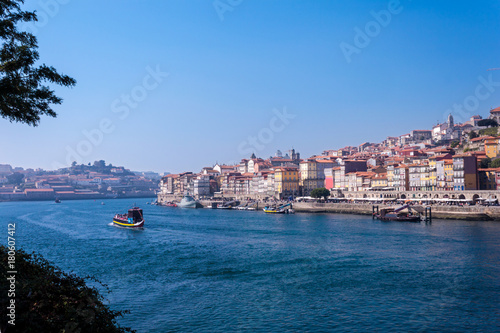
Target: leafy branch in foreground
point(23, 95)
point(50, 300)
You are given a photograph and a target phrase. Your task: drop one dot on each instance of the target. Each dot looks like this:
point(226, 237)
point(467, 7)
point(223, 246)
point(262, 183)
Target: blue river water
point(222, 271)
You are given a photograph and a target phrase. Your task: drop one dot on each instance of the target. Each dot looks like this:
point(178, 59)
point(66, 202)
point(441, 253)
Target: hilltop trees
point(101, 164)
point(487, 122)
point(15, 179)
point(24, 97)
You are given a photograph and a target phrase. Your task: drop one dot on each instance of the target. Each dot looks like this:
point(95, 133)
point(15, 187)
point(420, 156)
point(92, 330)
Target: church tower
point(450, 121)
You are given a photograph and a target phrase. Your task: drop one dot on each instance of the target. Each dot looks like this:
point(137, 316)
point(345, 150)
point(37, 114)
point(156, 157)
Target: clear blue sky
point(232, 67)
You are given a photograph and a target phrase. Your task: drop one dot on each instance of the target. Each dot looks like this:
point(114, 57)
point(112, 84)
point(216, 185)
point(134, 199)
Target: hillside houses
point(76, 182)
point(439, 159)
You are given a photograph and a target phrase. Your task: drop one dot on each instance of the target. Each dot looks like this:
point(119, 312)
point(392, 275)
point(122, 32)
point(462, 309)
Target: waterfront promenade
point(356, 205)
point(454, 212)
point(474, 212)
point(471, 195)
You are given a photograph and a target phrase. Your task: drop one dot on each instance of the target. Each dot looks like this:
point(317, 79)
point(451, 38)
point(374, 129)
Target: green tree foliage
point(320, 193)
point(454, 144)
point(485, 163)
point(24, 95)
point(101, 164)
point(473, 135)
point(49, 300)
point(492, 131)
point(495, 163)
point(15, 179)
point(487, 122)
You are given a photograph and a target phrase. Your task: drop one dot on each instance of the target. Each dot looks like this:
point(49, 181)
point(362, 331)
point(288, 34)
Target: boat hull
point(187, 205)
point(284, 209)
point(188, 202)
point(273, 211)
point(125, 224)
point(400, 219)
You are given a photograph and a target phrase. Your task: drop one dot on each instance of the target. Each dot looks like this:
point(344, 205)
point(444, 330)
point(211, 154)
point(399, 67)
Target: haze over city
point(175, 86)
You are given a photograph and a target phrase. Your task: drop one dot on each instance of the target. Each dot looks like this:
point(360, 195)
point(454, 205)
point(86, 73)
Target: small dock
point(424, 212)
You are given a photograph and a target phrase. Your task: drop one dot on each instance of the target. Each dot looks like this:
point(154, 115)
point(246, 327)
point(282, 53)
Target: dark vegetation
point(320, 193)
point(24, 93)
point(50, 300)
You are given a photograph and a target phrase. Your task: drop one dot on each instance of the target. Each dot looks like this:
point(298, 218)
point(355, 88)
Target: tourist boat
point(283, 209)
point(57, 200)
point(133, 219)
point(403, 214)
point(188, 202)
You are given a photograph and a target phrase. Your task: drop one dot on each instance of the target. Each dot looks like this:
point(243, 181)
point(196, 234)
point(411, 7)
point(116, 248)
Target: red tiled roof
point(481, 138)
point(39, 190)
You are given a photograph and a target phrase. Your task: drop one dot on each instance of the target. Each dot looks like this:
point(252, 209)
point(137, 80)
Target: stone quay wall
point(439, 212)
point(381, 195)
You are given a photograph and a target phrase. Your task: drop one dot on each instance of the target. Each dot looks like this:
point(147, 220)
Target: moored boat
point(228, 205)
point(272, 210)
point(402, 214)
point(188, 202)
point(133, 219)
point(283, 209)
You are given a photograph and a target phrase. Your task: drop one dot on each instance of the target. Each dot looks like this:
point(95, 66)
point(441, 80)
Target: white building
point(201, 185)
point(446, 131)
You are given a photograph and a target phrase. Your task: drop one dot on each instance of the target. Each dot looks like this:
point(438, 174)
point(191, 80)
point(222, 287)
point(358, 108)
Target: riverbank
point(76, 198)
point(438, 211)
